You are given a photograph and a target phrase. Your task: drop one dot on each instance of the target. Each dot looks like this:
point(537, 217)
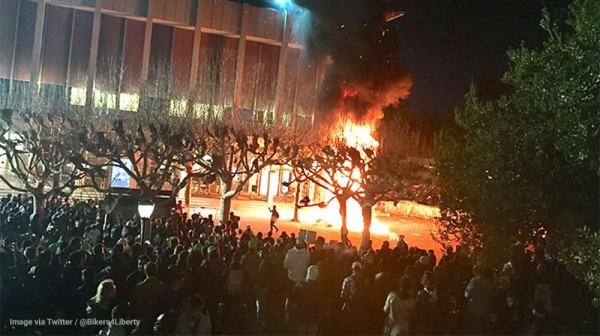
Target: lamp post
point(145, 211)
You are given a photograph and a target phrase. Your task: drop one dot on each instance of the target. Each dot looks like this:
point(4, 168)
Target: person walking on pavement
point(274, 219)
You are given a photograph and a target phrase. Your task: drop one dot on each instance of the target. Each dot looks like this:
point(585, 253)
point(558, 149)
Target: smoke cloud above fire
point(364, 70)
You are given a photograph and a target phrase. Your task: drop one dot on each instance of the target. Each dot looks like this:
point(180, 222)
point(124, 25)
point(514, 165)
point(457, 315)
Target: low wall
point(408, 208)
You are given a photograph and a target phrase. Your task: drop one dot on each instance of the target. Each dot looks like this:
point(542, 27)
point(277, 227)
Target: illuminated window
point(206, 111)
point(286, 119)
point(77, 96)
point(201, 110)
point(129, 102)
point(178, 107)
point(104, 99)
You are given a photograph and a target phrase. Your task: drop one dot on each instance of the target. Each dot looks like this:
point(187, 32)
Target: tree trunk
point(343, 214)
point(367, 213)
point(225, 201)
point(55, 180)
point(224, 209)
point(296, 199)
point(188, 187)
point(188, 194)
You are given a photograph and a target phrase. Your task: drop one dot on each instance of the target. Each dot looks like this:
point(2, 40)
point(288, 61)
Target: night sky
point(450, 44)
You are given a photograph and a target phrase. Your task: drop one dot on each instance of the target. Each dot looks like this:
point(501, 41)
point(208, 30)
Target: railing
point(408, 208)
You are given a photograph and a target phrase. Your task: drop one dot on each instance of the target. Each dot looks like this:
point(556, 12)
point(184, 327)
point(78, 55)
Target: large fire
point(359, 136)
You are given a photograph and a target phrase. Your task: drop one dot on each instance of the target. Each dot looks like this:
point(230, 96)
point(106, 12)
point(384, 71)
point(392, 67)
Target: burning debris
point(392, 15)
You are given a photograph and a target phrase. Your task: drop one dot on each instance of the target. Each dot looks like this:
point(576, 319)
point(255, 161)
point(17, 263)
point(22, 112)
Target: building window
point(207, 111)
point(105, 100)
point(77, 96)
point(129, 102)
point(263, 117)
point(178, 107)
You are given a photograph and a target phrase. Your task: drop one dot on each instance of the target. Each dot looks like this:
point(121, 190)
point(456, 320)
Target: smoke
point(364, 69)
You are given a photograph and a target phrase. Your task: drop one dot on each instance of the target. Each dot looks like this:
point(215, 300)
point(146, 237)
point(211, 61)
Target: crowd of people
point(197, 277)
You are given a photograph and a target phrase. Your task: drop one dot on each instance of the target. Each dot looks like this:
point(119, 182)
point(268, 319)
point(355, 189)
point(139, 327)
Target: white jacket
point(296, 262)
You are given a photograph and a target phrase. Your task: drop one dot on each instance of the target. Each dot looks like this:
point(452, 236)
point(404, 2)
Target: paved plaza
point(255, 213)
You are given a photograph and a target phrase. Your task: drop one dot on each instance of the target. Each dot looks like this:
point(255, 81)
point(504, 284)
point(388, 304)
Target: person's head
point(119, 312)
point(75, 242)
point(428, 280)
point(173, 242)
point(404, 286)
point(357, 267)
point(213, 253)
point(30, 253)
point(196, 304)
point(178, 249)
point(320, 241)
point(300, 243)
point(265, 251)
point(182, 257)
point(99, 250)
point(118, 249)
point(88, 275)
point(105, 292)
point(274, 207)
point(141, 262)
point(150, 269)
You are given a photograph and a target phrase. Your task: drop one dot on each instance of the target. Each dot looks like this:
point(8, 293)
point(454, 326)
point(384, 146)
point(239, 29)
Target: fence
point(408, 208)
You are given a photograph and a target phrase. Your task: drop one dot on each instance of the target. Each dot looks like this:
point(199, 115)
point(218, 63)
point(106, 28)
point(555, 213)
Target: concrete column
point(121, 70)
point(296, 86)
point(93, 60)
point(38, 40)
point(193, 84)
point(14, 50)
point(283, 51)
point(147, 41)
point(317, 87)
point(270, 189)
point(70, 55)
point(239, 65)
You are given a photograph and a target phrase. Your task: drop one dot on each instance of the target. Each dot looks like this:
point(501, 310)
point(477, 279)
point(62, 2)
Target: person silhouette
point(274, 219)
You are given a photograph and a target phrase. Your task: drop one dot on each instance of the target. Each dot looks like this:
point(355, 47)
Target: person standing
point(354, 299)
point(147, 300)
point(274, 219)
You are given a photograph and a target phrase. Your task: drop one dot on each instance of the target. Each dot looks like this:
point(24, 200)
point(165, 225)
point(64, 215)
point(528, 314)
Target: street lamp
point(145, 211)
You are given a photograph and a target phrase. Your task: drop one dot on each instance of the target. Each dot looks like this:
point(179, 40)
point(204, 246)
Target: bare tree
point(150, 146)
point(237, 150)
point(335, 168)
point(367, 173)
point(42, 149)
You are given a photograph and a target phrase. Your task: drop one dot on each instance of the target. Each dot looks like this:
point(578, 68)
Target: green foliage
point(582, 259)
point(525, 167)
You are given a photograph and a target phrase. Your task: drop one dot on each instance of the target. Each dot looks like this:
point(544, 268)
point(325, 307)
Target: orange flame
point(359, 136)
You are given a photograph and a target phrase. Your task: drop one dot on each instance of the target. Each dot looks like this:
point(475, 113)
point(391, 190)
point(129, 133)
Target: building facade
point(96, 52)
